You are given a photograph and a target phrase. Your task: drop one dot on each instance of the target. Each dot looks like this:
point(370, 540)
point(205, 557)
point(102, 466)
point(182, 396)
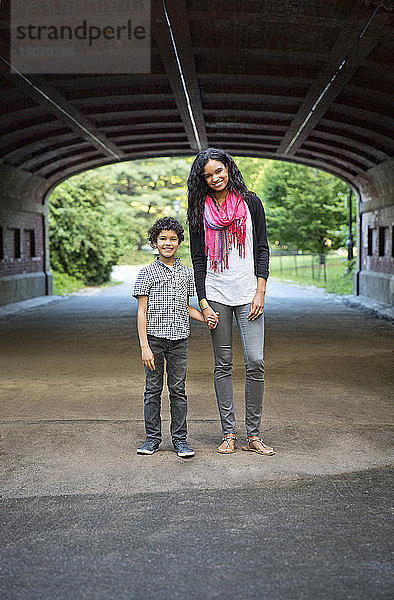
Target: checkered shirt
point(167, 290)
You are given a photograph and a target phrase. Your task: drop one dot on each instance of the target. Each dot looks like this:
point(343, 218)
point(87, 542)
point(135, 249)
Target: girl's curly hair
point(198, 188)
point(166, 224)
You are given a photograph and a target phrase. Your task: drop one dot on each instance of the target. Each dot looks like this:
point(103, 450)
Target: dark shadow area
point(326, 537)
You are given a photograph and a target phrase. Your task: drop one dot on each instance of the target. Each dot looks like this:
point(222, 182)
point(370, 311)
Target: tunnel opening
point(320, 96)
point(306, 208)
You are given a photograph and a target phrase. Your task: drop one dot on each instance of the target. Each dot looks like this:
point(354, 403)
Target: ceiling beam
point(36, 146)
point(273, 13)
point(352, 46)
point(67, 170)
point(133, 81)
point(45, 156)
point(345, 154)
point(367, 114)
point(115, 98)
point(248, 80)
point(372, 140)
point(240, 113)
point(45, 169)
point(144, 128)
point(172, 36)
point(333, 159)
point(37, 88)
point(350, 144)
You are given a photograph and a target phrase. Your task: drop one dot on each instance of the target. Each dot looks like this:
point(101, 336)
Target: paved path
point(85, 517)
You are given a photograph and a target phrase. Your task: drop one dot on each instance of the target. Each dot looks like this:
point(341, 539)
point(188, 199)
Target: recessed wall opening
point(392, 241)
point(382, 240)
point(17, 243)
point(31, 241)
point(370, 241)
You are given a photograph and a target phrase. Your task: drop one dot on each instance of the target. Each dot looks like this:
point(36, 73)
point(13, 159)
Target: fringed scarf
point(224, 228)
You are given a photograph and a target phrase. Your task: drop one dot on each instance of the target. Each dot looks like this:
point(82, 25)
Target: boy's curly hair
point(166, 224)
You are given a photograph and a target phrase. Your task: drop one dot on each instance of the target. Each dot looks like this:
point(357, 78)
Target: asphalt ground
point(83, 516)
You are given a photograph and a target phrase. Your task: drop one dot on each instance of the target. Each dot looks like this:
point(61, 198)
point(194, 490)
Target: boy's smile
point(167, 244)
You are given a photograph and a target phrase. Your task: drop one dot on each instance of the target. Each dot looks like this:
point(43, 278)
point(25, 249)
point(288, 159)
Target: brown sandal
point(267, 450)
point(229, 448)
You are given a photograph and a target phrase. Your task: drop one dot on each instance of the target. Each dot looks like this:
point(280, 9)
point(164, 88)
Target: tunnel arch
point(355, 189)
point(321, 95)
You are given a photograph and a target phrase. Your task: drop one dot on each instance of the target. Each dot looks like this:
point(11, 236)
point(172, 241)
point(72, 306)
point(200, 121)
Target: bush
point(84, 236)
point(65, 284)
point(343, 284)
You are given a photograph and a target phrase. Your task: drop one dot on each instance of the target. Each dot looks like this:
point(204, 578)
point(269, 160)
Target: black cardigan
point(260, 247)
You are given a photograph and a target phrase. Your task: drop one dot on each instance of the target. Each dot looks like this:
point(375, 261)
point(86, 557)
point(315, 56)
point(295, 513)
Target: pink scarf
point(224, 228)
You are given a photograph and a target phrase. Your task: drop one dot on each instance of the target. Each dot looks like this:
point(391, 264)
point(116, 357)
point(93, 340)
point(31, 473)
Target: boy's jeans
point(175, 354)
point(252, 337)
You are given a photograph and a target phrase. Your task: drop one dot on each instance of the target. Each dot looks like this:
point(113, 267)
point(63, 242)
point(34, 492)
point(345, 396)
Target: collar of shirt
point(176, 264)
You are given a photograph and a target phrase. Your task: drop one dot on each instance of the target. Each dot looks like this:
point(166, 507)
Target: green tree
point(142, 192)
point(84, 236)
point(305, 208)
point(253, 171)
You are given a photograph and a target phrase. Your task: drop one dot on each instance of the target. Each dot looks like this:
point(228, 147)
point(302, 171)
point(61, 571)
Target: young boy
point(163, 289)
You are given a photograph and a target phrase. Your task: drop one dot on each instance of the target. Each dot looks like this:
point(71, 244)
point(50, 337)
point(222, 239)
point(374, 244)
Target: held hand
point(212, 321)
point(148, 359)
point(210, 317)
point(257, 306)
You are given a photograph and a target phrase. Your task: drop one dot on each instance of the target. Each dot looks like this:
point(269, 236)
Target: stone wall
point(24, 253)
point(376, 231)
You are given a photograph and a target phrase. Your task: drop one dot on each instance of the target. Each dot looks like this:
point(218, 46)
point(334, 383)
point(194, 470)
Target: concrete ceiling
point(307, 81)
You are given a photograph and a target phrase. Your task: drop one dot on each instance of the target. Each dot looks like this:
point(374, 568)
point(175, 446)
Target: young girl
point(230, 255)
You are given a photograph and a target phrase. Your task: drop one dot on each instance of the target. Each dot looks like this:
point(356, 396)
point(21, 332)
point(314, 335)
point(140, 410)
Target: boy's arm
point(194, 313)
point(198, 316)
point(146, 353)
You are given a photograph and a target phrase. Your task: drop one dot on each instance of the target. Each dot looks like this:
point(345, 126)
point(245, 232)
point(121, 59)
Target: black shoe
point(183, 449)
point(149, 447)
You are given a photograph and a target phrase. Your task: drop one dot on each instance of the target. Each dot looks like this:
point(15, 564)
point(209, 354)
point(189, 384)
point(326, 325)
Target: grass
point(63, 284)
point(281, 267)
point(144, 257)
point(299, 270)
point(136, 257)
point(110, 283)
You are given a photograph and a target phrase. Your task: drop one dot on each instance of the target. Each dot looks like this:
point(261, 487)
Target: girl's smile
point(216, 176)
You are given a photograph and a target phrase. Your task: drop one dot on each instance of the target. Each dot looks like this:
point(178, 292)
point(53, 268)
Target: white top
point(237, 284)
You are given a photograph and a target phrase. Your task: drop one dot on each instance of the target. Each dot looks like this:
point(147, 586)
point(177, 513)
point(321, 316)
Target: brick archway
point(304, 81)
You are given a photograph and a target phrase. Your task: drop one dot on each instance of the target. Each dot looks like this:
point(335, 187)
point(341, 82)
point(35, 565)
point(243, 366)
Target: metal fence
point(296, 265)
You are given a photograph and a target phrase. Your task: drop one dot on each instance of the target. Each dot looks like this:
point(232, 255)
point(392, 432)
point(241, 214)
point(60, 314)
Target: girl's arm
point(146, 353)
point(257, 305)
point(199, 261)
point(198, 316)
point(263, 251)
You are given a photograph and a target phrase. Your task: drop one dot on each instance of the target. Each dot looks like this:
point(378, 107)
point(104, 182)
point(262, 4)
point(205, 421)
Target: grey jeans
point(252, 337)
point(174, 352)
